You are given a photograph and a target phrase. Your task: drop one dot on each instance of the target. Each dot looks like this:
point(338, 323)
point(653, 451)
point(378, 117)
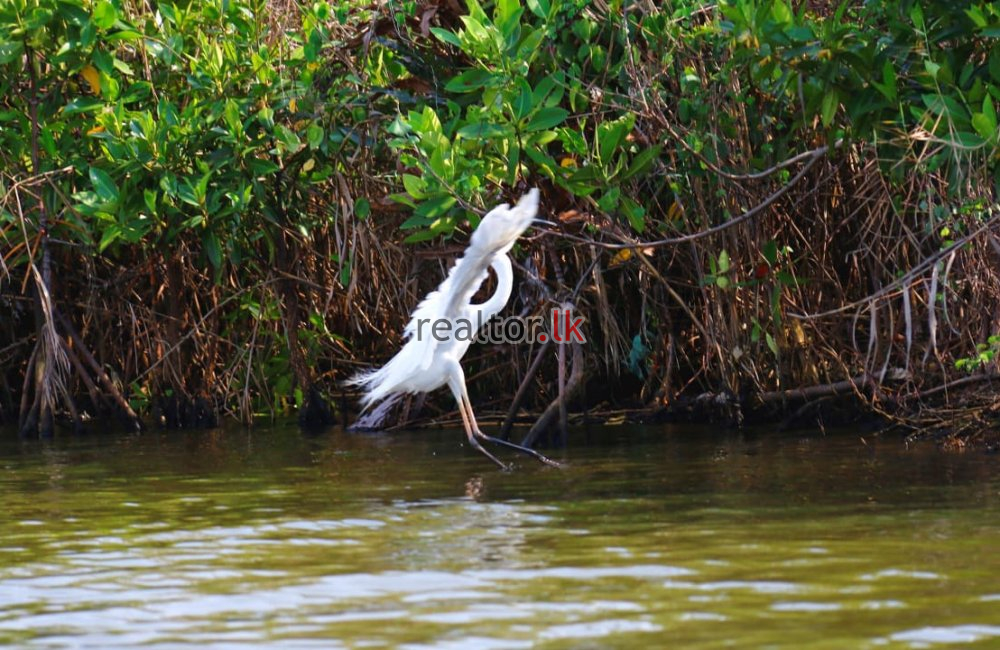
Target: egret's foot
point(524, 450)
point(478, 447)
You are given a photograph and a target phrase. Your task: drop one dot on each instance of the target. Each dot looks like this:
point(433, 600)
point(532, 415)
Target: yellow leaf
point(93, 79)
point(292, 104)
point(568, 161)
point(798, 332)
point(308, 165)
point(621, 257)
point(96, 129)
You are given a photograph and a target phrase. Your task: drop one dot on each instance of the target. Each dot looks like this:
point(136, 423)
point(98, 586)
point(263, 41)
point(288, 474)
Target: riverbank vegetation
point(761, 206)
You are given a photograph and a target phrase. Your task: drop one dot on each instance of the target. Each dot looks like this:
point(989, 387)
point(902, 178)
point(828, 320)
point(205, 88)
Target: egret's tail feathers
point(368, 381)
point(376, 418)
point(395, 376)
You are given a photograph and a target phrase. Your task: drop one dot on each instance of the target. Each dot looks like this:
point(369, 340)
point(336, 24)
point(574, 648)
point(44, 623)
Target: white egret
point(432, 354)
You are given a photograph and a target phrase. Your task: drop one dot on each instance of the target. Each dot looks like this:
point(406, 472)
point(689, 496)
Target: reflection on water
point(650, 538)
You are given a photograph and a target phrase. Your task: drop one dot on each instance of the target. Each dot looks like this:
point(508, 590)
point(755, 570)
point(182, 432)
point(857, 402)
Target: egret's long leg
point(457, 385)
point(500, 441)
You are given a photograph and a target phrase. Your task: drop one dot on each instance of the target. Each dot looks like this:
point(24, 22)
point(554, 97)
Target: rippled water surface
point(651, 537)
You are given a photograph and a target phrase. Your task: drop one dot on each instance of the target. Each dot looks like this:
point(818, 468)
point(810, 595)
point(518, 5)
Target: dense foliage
point(233, 191)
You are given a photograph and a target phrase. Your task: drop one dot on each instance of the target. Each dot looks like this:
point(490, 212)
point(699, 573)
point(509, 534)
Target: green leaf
point(345, 273)
point(263, 167)
point(635, 213)
point(549, 90)
point(83, 105)
point(985, 123)
point(108, 237)
point(415, 221)
point(469, 80)
point(945, 105)
point(149, 198)
point(506, 10)
point(362, 208)
point(787, 279)
point(436, 206)
point(547, 118)
point(513, 163)
point(10, 50)
point(609, 200)
point(186, 194)
point(439, 163)
point(831, 100)
point(523, 104)
point(771, 343)
point(641, 162)
point(770, 252)
point(123, 35)
point(212, 249)
point(722, 282)
point(724, 261)
point(540, 8)
point(475, 29)
point(888, 87)
point(984, 126)
point(105, 14)
point(994, 64)
point(414, 185)
point(288, 138)
point(103, 185)
point(782, 14)
point(314, 135)
point(417, 237)
point(482, 130)
point(610, 135)
point(976, 14)
point(446, 36)
point(932, 68)
point(529, 44)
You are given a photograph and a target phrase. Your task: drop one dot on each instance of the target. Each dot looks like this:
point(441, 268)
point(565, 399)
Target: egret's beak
point(543, 222)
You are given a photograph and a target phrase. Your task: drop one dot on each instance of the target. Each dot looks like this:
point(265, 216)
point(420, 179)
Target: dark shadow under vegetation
point(766, 210)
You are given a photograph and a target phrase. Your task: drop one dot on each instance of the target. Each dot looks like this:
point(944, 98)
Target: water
point(650, 538)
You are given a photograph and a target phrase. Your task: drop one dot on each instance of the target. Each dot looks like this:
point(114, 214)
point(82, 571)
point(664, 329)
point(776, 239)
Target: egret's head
point(502, 225)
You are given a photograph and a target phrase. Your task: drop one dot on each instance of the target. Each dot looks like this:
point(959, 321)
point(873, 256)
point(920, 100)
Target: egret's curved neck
point(505, 284)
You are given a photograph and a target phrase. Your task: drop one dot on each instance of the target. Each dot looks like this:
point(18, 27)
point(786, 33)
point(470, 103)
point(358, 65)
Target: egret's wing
point(453, 295)
point(496, 235)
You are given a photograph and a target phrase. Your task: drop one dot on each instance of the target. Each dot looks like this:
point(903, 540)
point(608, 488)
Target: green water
point(650, 538)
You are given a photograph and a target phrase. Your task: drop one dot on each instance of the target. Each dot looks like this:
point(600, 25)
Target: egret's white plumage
point(426, 363)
